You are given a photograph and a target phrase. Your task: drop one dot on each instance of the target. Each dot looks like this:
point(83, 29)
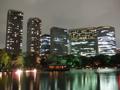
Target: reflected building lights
point(0, 74)
point(68, 85)
point(108, 82)
point(87, 81)
point(76, 80)
point(34, 74)
point(18, 74)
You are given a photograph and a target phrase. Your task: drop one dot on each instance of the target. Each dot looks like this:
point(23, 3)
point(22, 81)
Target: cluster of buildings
point(88, 41)
point(14, 33)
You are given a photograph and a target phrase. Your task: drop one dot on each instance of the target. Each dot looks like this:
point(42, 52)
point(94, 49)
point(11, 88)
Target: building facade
point(88, 41)
point(106, 40)
point(33, 35)
point(83, 41)
point(45, 44)
point(93, 40)
point(59, 41)
point(14, 31)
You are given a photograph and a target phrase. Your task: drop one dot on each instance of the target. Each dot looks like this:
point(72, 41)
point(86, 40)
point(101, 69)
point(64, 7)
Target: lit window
point(20, 44)
point(15, 17)
point(20, 14)
point(21, 30)
point(18, 26)
point(32, 28)
point(15, 35)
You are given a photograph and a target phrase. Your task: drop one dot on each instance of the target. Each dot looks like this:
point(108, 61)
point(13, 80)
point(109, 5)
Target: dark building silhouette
point(59, 41)
point(33, 35)
point(14, 31)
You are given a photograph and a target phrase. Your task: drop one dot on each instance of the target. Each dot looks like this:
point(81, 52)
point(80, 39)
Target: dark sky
point(63, 13)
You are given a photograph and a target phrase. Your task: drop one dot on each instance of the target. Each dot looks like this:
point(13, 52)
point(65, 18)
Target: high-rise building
point(93, 40)
point(106, 40)
point(83, 41)
point(33, 35)
point(59, 41)
point(45, 44)
point(14, 31)
point(88, 41)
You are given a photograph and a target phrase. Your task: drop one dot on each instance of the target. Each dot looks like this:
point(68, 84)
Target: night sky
point(64, 14)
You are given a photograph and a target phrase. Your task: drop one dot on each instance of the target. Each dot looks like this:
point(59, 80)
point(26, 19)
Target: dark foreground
point(68, 80)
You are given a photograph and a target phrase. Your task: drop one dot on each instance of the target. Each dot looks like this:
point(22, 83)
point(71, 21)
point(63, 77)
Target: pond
point(68, 80)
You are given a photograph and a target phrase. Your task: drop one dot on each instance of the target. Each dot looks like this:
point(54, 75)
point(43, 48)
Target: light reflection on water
point(70, 80)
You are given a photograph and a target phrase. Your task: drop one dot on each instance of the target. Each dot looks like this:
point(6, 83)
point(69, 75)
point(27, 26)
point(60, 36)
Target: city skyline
point(65, 14)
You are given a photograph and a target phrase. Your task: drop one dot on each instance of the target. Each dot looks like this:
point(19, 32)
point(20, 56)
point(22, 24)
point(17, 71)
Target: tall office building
point(88, 41)
point(33, 35)
point(14, 31)
point(59, 41)
point(106, 40)
point(83, 41)
point(45, 44)
point(93, 40)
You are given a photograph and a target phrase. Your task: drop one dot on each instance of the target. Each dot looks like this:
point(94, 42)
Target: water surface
point(69, 80)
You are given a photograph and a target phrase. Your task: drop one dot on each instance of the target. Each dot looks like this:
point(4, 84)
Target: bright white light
point(18, 73)
point(34, 70)
point(34, 73)
point(27, 71)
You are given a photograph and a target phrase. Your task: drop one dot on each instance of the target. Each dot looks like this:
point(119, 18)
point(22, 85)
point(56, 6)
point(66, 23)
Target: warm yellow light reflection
point(18, 73)
point(34, 73)
point(0, 74)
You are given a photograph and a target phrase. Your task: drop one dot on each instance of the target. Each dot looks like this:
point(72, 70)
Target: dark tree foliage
point(115, 60)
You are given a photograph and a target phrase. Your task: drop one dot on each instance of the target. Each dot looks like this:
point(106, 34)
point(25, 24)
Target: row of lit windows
point(76, 37)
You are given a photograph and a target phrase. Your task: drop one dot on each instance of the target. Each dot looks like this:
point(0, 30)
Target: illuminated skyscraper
point(45, 44)
point(88, 41)
point(106, 40)
point(93, 40)
point(33, 35)
point(59, 41)
point(83, 41)
point(14, 31)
